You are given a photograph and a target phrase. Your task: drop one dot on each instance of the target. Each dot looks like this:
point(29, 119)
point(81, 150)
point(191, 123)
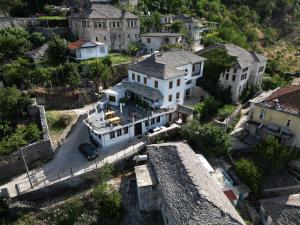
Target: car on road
point(88, 151)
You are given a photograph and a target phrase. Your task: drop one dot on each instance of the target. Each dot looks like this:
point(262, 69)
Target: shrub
point(69, 213)
point(225, 111)
point(210, 139)
point(250, 174)
point(207, 108)
point(108, 201)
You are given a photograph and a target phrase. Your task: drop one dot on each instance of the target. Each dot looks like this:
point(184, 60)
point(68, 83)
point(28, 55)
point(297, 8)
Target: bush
point(210, 139)
point(37, 39)
point(4, 210)
point(250, 174)
point(108, 201)
point(225, 111)
point(207, 108)
point(134, 47)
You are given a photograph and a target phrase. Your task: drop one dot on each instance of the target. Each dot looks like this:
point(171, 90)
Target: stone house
point(283, 210)
point(277, 114)
point(248, 68)
point(176, 183)
point(154, 41)
point(106, 24)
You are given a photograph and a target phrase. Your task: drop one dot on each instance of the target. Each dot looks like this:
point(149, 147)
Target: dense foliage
point(274, 156)
point(250, 174)
point(209, 139)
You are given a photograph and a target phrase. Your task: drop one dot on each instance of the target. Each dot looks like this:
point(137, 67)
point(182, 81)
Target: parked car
point(88, 151)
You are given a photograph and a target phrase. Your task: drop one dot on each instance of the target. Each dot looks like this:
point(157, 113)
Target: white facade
point(91, 50)
point(154, 41)
point(237, 78)
point(174, 90)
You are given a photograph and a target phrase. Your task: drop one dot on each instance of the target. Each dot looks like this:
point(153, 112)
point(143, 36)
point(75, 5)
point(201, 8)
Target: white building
point(195, 27)
point(105, 23)
point(248, 68)
point(151, 97)
point(154, 41)
point(86, 49)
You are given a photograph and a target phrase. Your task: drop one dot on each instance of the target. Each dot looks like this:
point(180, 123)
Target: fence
point(72, 176)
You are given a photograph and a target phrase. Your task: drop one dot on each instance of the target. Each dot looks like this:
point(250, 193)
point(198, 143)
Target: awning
point(145, 91)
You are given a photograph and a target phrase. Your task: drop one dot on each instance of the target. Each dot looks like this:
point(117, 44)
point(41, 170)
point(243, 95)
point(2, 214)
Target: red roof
point(230, 195)
point(286, 97)
point(77, 44)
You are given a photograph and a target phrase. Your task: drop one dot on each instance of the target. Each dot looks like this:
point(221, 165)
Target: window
point(128, 23)
point(148, 40)
point(135, 23)
point(118, 24)
point(145, 80)
point(95, 25)
point(109, 24)
point(229, 88)
point(119, 133)
point(112, 135)
point(146, 123)
point(133, 76)
point(152, 121)
point(262, 114)
point(227, 76)
point(104, 24)
point(288, 123)
point(245, 69)
point(188, 82)
point(170, 84)
point(114, 24)
point(129, 36)
point(235, 70)
point(178, 95)
point(125, 130)
point(178, 82)
point(193, 68)
point(112, 98)
point(244, 76)
point(96, 38)
point(104, 38)
point(102, 49)
point(261, 69)
point(240, 88)
point(136, 35)
point(156, 84)
point(158, 119)
point(170, 98)
point(119, 36)
point(138, 78)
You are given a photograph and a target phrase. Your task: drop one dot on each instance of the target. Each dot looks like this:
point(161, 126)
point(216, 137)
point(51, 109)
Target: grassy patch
point(225, 112)
point(52, 18)
point(57, 122)
point(118, 58)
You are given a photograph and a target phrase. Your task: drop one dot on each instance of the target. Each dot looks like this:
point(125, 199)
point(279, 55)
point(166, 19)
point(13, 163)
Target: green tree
point(17, 73)
point(57, 50)
point(108, 201)
point(14, 41)
point(207, 108)
point(37, 39)
point(274, 156)
point(13, 104)
point(250, 174)
point(134, 47)
point(211, 140)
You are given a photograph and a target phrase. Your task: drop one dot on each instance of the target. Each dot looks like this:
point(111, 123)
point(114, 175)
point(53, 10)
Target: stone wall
point(17, 22)
point(13, 165)
point(229, 120)
point(49, 32)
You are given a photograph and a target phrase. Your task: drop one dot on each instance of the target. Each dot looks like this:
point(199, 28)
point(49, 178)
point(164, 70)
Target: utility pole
point(20, 150)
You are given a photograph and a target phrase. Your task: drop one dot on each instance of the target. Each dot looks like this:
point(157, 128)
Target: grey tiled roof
point(104, 11)
point(190, 194)
point(283, 210)
point(163, 65)
point(244, 57)
point(145, 91)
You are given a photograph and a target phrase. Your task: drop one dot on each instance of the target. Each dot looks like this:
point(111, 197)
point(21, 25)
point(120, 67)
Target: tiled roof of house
point(244, 57)
point(285, 98)
point(104, 11)
point(284, 210)
point(189, 192)
point(163, 65)
point(79, 43)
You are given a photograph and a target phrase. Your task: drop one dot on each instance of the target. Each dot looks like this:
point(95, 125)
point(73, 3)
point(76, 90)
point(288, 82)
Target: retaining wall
point(13, 165)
